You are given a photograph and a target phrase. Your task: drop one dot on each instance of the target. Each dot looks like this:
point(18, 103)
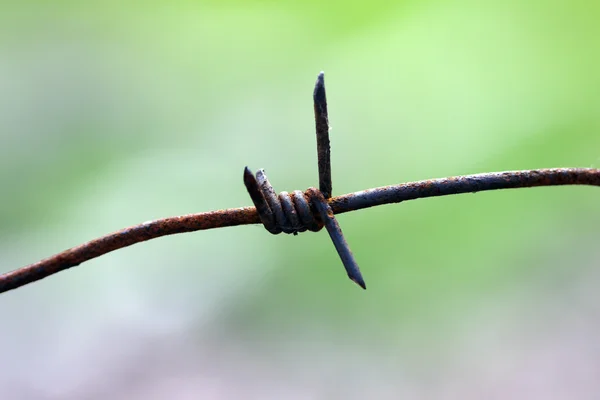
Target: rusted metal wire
point(300, 211)
point(465, 184)
point(280, 213)
point(340, 204)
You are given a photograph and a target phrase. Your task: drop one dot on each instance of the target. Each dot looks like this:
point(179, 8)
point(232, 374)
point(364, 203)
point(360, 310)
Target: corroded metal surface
point(264, 211)
point(280, 213)
point(126, 237)
point(340, 204)
point(464, 184)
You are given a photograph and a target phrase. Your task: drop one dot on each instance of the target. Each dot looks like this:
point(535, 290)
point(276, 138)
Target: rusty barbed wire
point(308, 210)
point(340, 204)
point(292, 214)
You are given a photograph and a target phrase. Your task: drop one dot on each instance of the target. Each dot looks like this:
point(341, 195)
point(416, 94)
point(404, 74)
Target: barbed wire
point(299, 211)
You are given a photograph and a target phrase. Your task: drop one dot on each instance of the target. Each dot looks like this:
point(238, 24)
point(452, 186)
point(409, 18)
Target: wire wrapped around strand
point(299, 212)
point(284, 213)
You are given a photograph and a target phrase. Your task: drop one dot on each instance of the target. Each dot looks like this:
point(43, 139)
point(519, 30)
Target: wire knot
point(298, 212)
point(286, 212)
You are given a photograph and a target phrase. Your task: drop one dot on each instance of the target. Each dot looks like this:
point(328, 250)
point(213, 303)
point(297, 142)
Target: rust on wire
point(264, 211)
point(340, 204)
point(282, 214)
point(299, 211)
point(465, 184)
point(126, 237)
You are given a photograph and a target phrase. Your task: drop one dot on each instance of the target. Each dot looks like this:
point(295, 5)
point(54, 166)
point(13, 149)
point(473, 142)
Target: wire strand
point(301, 211)
point(340, 204)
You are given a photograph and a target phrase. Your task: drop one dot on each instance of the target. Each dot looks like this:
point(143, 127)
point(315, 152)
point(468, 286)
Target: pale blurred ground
point(112, 114)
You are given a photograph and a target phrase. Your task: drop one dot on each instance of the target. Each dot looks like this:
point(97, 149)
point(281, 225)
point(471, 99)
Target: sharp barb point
point(360, 282)
point(319, 93)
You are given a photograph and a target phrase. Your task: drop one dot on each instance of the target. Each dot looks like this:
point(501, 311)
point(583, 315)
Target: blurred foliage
point(114, 113)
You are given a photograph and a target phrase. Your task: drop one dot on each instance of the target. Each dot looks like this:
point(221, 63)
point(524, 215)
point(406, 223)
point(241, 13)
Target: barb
point(282, 214)
point(300, 211)
point(465, 184)
point(335, 232)
point(322, 127)
point(340, 204)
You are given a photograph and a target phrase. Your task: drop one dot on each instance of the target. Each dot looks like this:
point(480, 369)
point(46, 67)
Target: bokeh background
point(116, 113)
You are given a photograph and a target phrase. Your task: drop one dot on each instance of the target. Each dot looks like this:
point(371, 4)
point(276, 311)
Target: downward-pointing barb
point(335, 232)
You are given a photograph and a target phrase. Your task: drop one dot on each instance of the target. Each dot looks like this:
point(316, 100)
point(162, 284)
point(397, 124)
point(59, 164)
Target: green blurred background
point(112, 114)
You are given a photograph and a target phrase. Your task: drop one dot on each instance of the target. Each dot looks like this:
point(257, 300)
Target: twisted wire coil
point(287, 213)
point(299, 212)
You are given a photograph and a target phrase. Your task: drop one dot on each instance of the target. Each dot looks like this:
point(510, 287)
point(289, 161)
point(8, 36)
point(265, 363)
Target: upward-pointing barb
point(319, 92)
point(322, 128)
point(281, 214)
